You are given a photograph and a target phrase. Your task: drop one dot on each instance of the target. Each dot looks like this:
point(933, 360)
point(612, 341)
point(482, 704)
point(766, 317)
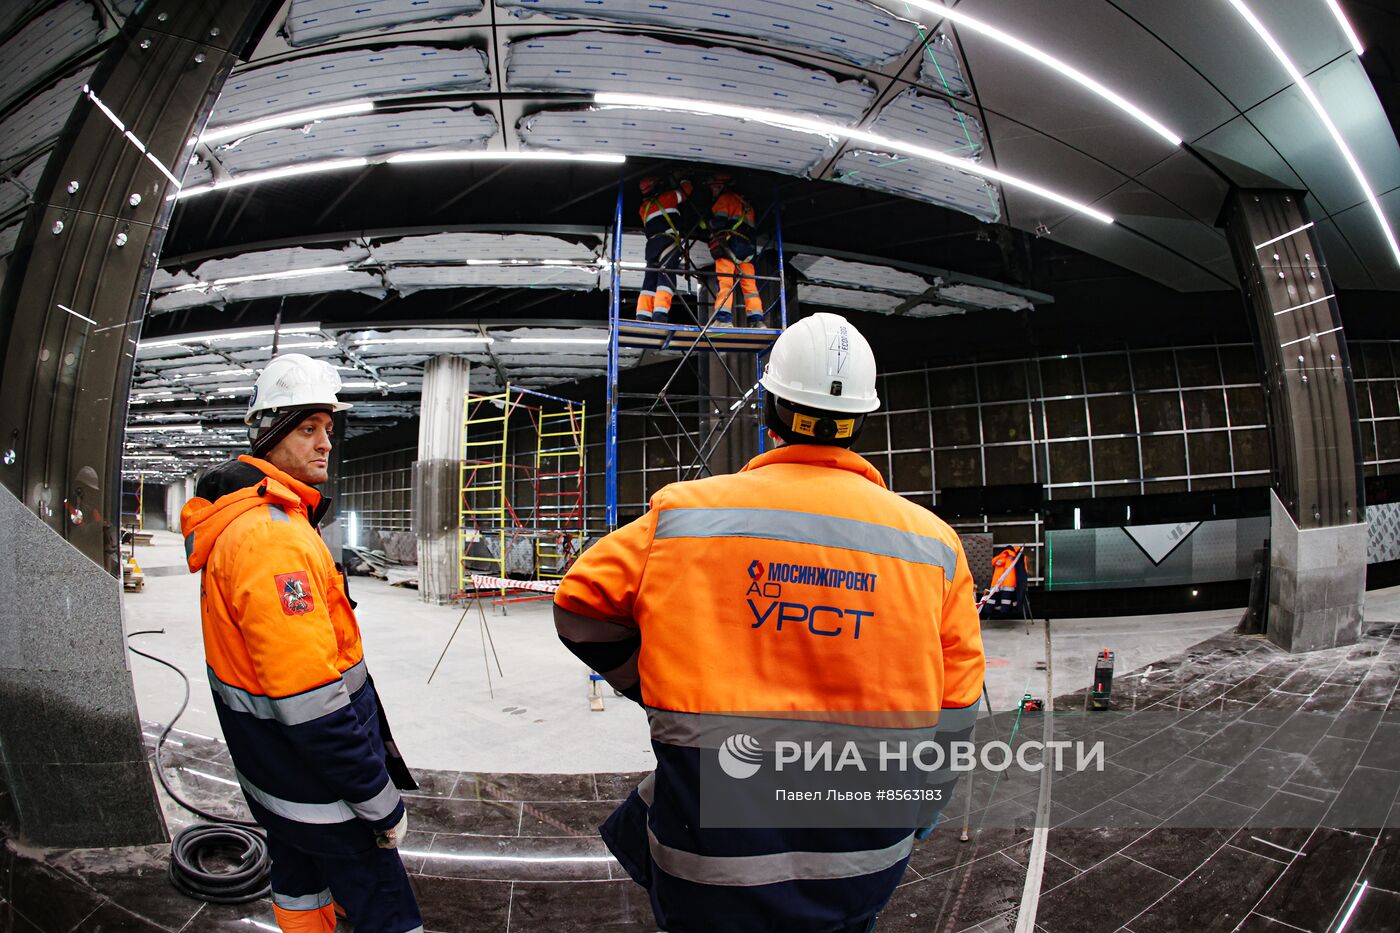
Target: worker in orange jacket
point(661, 208)
point(308, 738)
point(1008, 582)
point(731, 244)
point(799, 585)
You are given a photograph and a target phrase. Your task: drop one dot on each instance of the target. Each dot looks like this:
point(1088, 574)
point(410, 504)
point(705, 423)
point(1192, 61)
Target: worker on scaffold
point(732, 246)
point(661, 207)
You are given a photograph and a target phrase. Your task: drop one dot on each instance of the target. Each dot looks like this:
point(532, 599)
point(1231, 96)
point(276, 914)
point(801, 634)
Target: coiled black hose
point(192, 848)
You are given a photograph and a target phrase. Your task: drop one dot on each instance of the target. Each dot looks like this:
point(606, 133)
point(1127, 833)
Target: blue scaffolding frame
point(686, 338)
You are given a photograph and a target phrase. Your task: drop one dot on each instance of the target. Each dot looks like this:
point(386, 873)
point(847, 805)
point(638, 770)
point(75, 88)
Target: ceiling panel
point(941, 67)
point(310, 22)
point(601, 61)
point(1218, 42)
point(1037, 158)
point(37, 123)
point(370, 135)
point(1134, 253)
point(458, 247)
point(850, 29)
point(982, 297)
point(8, 237)
point(367, 282)
point(1139, 209)
point(1360, 227)
point(18, 191)
point(354, 74)
point(933, 122)
point(14, 11)
point(45, 43)
point(1340, 258)
point(408, 279)
point(1184, 179)
point(843, 272)
point(929, 310)
point(279, 260)
point(1293, 127)
point(847, 298)
point(921, 180)
point(1242, 153)
point(695, 137)
point(1093, 36)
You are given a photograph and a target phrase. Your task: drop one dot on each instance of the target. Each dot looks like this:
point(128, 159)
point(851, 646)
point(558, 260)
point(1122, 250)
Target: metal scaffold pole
point(614, 335)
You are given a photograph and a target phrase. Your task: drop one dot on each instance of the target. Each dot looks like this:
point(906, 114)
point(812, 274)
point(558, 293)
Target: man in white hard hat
point(299, 712)
point(796, 597)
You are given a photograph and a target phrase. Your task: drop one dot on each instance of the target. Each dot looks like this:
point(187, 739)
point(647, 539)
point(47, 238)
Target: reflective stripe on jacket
point(800, 584)
point(659, 211)
point(285, 663)
point(732, 213)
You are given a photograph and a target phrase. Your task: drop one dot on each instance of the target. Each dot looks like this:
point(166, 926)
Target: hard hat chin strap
point(801, 424)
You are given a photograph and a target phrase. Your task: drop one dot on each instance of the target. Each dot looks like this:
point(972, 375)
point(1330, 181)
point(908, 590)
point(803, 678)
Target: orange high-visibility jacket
point(659, 211)
point(285, 663)
point(732, 213)
point(799, 584)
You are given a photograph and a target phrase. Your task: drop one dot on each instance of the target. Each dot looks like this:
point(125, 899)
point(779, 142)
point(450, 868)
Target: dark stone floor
point(1244, 789)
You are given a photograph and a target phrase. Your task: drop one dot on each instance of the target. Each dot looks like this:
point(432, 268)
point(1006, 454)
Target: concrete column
point(1317, 560)
point(437, 478)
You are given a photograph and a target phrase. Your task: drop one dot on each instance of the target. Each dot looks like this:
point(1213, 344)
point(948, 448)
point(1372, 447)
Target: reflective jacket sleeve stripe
point(381, 806)
point(292, 710)
point(807, 528)
point(960, 631)
point(753, 870)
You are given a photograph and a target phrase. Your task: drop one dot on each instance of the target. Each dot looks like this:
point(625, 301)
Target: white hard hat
point(823, 362)
point(295, 381)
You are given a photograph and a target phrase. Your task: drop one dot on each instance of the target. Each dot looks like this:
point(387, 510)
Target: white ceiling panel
point(928, 310)
point(983, 297)
point(279, 260)
point(933, 122)
point(408, 279)
point(14, 11)
point(8, 237)
point(942, 68)
point(847, 298)
point(45, 43)
point(366, 282)
point(370, 135)
point(354, 74)
point(1220, 44)
point(696, 137)
point(600, 61)
point(18, 191)
point(851, 29)
point(38, 122)
point(921, 180)
point(459, 247)
point(310, 22)
point(1293, 127)
point(848, 274)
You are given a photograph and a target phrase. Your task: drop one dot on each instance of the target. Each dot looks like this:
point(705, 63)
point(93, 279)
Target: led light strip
point(1321, 333)
point(1306, 304)
point(833, 131)
point(402, 158)
point(1352, 37)
point(292, 118)
point(229, 335)
point(1283, 236)
point(259, 277)
point(1045, 58)
point(1307, 91)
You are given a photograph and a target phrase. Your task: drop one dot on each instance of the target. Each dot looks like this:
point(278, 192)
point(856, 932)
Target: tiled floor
point(1244, 789)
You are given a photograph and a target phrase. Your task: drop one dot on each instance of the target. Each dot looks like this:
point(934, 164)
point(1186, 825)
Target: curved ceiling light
point(833, 131)
point(487, 155)
point(1045, 58)
point(1322, 115)
point(456, 155)
point(1352, 37)
point(291, 118)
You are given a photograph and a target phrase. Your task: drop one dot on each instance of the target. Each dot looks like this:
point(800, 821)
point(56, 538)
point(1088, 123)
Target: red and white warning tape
point(482, 582)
